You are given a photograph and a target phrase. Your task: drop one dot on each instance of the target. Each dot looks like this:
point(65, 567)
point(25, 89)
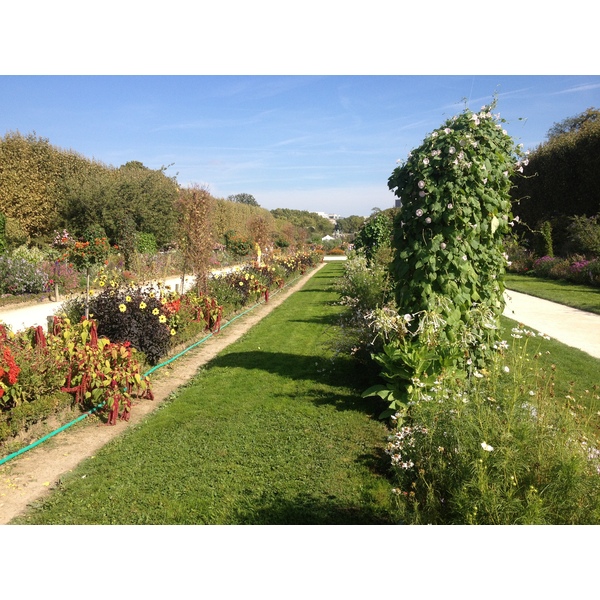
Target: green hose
point(93, 410)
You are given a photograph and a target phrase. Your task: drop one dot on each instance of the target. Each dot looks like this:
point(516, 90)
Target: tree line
point(45, 189)
point(557, 193)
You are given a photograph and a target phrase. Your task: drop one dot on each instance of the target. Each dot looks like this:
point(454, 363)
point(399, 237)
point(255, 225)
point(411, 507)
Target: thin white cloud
point(585, 87)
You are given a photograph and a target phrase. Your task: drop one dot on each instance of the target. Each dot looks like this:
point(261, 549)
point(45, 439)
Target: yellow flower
point(162, 319)
point(155, 311)
point(127, 298)
point(142, 305)
point(241, 283)
point(173, 332)
point(122, 307)
point(152, 294)
point(102, 283)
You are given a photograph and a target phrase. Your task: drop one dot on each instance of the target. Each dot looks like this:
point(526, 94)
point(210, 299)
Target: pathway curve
point(570, 326)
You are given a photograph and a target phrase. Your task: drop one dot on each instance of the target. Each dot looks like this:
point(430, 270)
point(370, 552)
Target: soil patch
point(29, 477)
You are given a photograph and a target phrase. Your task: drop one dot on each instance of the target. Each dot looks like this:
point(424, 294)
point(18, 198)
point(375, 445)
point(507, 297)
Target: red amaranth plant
point(101, 371)
point(9, 370)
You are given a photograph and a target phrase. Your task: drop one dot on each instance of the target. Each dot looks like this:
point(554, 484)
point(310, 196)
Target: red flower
point(9, 370)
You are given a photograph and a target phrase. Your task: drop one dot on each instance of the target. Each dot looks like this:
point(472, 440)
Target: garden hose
point(163, 364)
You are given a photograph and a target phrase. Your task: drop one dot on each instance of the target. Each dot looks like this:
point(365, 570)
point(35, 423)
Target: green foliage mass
point(561, 179)
point(44, 188)
point(311, 221)
point(29, 182)
point(243, 199)
point(455, 211)
point(350, 224)
point(375, 233)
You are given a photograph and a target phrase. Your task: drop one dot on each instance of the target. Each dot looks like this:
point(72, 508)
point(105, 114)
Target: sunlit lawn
point(272, 431)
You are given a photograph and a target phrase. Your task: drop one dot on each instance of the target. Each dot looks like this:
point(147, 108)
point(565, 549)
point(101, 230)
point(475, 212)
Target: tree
point(314, 223)
point(350, 224)
point(28, 180)
point(375, 233)
point(576, 123)
point(243, 199)
point(195, 236)
point(561, 179)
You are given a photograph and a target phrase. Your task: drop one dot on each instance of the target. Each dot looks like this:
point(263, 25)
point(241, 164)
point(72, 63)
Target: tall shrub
point(455, 211)
point(195, 235)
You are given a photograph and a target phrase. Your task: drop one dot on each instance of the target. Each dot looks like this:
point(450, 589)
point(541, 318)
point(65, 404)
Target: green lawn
point(272, 431)
point(583, 297)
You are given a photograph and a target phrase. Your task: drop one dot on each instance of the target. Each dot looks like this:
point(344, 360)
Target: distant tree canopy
point(561, 178)
point(243, 199)
point(350, 224)
point(575, 123)
point(315, 224)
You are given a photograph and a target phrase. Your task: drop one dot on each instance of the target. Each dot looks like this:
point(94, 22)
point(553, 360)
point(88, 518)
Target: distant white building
point(329, 216)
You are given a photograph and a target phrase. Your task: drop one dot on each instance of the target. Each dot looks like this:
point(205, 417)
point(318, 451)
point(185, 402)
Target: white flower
point(450, 206)
point(477, 374)
point(464, 257)
point(443, 245)
point(421, 184)
point(452, 149)
point(408, 317)
point(419, 212)
point(486, 447)
point(422, 194)
point(425, 161)
point(506, 370)
point(428, 220)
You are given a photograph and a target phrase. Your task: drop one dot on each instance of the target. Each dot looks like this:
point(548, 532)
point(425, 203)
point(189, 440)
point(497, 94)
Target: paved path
point(570, 326)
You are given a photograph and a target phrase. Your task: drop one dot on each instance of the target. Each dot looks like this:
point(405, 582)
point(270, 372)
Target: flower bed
point(100, 361)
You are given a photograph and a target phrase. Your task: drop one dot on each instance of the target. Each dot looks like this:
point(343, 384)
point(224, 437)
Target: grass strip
point(272, 431)
point(573, 374)
point(583, 297)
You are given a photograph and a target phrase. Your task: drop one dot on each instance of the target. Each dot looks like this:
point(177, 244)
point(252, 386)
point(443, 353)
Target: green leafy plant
point(455, 212)
point(498, 447)
point(100, 372)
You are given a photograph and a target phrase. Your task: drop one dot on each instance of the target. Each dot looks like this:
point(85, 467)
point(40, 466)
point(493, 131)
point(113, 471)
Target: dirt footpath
point(33, 474)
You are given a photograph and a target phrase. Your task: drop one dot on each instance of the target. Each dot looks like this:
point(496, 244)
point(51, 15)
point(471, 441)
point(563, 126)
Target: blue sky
point(319, 143)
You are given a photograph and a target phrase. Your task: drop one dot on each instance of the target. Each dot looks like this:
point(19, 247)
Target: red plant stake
point(40, 338)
